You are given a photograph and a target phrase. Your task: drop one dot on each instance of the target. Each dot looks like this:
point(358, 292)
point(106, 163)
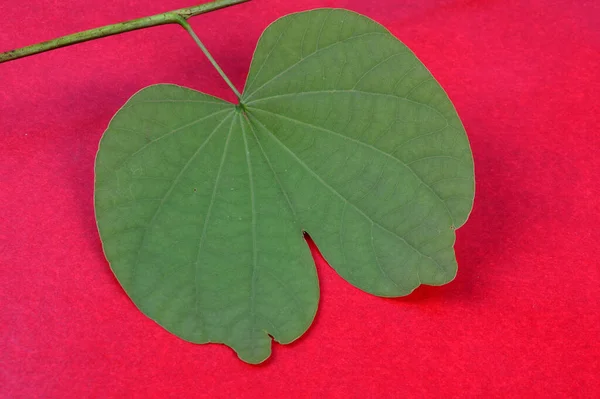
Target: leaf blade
point(201, 311)
point(201, 205)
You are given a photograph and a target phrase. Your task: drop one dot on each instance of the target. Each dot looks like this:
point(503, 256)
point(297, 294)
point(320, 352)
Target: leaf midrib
point(254, 238)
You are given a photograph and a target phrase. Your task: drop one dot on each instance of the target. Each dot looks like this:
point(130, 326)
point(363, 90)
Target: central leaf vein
point(209, 210)
point(268, 161)
point(254, 242)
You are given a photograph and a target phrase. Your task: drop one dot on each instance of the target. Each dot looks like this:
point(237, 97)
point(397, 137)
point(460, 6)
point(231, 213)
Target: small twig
point(171, 17)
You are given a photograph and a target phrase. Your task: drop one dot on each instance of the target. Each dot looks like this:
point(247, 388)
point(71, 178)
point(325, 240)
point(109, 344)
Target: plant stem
point(171, 17)
point(188, 28)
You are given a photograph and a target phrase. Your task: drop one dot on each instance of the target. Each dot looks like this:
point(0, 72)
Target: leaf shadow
point(485, 238)
point(481, 240)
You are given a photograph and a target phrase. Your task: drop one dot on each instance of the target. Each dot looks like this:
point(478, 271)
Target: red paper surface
point(520, 319)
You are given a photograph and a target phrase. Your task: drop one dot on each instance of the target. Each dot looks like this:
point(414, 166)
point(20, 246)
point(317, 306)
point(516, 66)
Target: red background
point(521, 318)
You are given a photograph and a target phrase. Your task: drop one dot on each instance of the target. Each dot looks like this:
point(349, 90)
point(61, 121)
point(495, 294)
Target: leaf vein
point(254, 239)
point(266, 58)
point(167, 194)
point(308, 56)
point(364, 75)
point(209, 210)
point(383, 272)
point(128, 157)
point(302, 93)
point(371, 147)
point(321, 30)
point(285, 194)
point(334, 191)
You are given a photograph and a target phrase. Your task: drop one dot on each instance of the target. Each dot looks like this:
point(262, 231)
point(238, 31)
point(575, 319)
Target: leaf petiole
point(188, 28)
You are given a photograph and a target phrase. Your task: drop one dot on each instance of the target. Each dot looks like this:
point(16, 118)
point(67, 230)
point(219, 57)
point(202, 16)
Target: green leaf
point(342, 132)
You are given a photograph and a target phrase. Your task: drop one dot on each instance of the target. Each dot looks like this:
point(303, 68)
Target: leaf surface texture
point(201, 204)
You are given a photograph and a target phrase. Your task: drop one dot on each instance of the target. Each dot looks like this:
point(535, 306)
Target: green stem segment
point(188, 28)
point(179, 17)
